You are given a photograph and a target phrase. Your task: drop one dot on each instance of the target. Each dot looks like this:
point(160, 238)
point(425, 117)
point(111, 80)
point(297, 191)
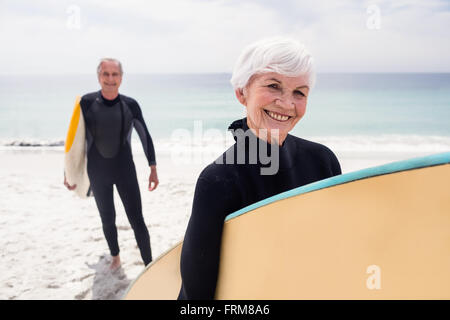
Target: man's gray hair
point(285, 56)
point(99, 68)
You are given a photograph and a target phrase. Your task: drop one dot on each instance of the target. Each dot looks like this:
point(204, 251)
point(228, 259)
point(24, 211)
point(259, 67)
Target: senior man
point(110, 118)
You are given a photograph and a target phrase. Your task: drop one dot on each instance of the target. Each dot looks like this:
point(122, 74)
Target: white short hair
point(99, 67)
point(285, 56)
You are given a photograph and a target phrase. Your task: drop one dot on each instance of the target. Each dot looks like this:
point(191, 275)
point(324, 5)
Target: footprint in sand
point(82, 295)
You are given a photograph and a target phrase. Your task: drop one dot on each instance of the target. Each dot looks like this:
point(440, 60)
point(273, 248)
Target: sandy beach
point(52, 244)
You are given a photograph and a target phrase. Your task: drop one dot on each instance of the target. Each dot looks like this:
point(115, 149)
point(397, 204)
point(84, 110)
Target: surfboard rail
point(75, 160)
point(389, 168)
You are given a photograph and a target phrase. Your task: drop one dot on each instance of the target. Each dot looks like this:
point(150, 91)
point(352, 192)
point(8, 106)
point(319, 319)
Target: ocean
point(353, 112)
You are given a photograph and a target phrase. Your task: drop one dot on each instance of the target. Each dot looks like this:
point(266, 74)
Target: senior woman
point(272, 79)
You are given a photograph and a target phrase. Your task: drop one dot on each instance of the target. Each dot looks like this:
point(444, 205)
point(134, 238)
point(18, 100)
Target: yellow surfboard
point(378, 233)
point(75, 162)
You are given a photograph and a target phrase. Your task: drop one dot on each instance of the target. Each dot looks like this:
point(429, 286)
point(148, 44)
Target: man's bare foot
point(115, 264)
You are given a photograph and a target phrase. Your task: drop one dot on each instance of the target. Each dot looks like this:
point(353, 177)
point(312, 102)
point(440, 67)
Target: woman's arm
point(335, 165)
point(200, 255)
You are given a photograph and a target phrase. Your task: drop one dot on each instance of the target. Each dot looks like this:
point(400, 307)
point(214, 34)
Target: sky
point(200, 36)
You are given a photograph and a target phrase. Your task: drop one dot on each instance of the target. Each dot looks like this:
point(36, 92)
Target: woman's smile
point(277, 116)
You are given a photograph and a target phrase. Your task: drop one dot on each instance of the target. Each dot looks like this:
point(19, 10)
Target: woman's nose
point(286, 101)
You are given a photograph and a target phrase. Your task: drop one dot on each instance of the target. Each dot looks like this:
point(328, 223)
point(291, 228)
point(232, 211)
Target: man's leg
point(103, 194)
point(128, 189)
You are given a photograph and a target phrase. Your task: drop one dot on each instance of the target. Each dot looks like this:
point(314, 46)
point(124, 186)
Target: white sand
point(52, 244)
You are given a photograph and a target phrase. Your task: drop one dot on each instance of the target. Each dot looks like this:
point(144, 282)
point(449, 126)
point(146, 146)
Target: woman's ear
point(240, 96)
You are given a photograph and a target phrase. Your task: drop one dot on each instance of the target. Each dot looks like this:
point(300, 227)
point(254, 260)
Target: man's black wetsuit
point(109, 124)
point(225, 188)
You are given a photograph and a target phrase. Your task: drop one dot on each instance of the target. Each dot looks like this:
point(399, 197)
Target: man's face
point(110, 77)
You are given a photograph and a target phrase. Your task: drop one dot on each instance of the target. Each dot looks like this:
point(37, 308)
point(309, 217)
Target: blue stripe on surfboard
point(415, 163)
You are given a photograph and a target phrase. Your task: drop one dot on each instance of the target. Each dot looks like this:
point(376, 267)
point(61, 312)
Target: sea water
point(355, 112)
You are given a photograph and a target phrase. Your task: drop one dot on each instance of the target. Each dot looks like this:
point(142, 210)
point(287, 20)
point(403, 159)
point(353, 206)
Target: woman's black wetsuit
point(225, 188)
point(109, 124)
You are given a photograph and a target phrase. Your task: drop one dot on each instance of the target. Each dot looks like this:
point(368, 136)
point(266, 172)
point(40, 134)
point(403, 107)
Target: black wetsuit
point(225, 188)
point(109, 125)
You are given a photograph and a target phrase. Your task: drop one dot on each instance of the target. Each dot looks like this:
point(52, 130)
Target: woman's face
point(274, 101)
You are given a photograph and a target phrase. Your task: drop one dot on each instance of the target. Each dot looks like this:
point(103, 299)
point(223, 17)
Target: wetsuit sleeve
point(327, 160)
point(144, 135)
point(201, 248)
point(334, 164)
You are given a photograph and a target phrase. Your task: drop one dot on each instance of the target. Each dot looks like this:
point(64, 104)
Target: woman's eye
point(274, 86)
point(298, 92)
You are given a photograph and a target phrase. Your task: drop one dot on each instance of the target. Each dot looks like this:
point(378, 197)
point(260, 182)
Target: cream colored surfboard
point(75, 162)
point(163, 274)
point(379, 233)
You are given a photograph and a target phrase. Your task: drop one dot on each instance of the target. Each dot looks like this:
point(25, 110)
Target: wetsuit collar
point(107, 102)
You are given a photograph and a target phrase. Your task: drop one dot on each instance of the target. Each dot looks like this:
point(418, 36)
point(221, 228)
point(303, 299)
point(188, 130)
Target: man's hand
point(153, 179)
point(68, 185)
